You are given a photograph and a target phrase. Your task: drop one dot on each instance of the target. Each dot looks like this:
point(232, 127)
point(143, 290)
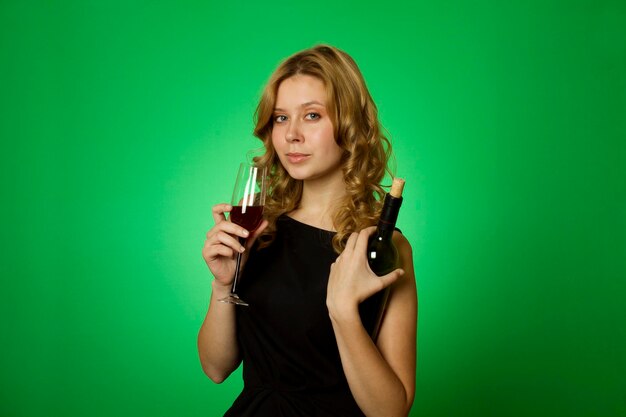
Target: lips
point(296, 157)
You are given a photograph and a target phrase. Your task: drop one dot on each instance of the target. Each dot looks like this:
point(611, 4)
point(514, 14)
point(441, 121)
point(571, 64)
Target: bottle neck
point(389, 216)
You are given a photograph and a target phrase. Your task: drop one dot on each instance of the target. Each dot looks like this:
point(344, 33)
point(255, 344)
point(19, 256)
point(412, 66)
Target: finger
point(218, 211)
point(350, 243)
point(228, 227)
point(230, 241)
point(225, 251)
point(390, 278)
point(363, 239)
point(210, 253)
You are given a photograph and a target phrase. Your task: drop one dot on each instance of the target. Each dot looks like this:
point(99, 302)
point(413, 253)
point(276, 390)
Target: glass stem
point(237, 267)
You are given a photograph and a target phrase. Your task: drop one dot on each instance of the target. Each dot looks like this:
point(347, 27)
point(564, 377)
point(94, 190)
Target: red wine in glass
point(247, 217)
point(247, 201)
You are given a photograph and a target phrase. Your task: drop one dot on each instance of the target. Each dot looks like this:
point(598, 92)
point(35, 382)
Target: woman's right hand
point(222, 245)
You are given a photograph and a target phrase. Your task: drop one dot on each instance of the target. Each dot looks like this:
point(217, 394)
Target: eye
point(312, 116)
point(280, 118)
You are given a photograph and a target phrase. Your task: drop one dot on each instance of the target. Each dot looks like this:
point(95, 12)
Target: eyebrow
point(307, 104)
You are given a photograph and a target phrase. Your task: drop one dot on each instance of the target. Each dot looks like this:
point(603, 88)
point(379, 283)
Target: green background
point(122, 124)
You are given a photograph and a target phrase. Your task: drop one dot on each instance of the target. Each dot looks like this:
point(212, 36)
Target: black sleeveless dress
point(291, 364)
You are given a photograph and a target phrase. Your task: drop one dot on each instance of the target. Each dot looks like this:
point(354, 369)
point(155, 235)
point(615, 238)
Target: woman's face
point(302, 133)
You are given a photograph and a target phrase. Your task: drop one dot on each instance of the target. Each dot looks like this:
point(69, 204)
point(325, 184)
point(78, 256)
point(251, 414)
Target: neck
point(319, 202)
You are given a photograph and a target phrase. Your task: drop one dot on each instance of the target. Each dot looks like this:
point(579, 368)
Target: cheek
point(278, 146)
point(328, 138)
point(274, 138)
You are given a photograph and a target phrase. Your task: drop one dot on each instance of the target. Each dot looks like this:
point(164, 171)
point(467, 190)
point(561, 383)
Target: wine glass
point(247, 201)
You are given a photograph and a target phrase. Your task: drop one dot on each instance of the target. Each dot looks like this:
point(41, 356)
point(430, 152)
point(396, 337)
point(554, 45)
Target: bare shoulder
point(406, 283)
point(397, 340)
point(400, 240)
point(405, 251)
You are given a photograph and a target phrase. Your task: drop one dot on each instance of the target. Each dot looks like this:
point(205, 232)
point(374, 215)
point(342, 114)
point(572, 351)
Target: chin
point(297, 173)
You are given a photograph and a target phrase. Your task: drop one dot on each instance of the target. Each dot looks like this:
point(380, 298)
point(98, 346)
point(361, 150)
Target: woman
point(304, 348)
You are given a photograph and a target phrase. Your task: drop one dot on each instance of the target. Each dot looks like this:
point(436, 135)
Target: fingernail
point(241, 249)
point(245, 233)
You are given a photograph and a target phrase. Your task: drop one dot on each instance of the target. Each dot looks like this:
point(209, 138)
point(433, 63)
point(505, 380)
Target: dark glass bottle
point(382, 257)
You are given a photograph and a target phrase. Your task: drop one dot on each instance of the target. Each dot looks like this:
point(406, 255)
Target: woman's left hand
point(351, 279)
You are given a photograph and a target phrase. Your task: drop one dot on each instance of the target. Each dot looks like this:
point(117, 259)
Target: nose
point(293, 133)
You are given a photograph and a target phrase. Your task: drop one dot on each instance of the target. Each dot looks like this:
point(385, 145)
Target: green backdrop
point(122, 122)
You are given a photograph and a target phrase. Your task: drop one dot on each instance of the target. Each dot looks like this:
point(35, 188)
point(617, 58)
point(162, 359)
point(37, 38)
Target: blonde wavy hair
point(356, 129)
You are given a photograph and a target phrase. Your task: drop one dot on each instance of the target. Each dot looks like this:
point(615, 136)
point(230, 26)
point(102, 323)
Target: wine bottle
point(382, 257)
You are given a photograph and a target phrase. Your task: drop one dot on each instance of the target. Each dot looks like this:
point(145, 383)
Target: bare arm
point(217, 339)
point(381, 376)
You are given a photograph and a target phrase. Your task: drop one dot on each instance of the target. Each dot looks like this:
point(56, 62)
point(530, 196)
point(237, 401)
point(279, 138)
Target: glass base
point(233, 299)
